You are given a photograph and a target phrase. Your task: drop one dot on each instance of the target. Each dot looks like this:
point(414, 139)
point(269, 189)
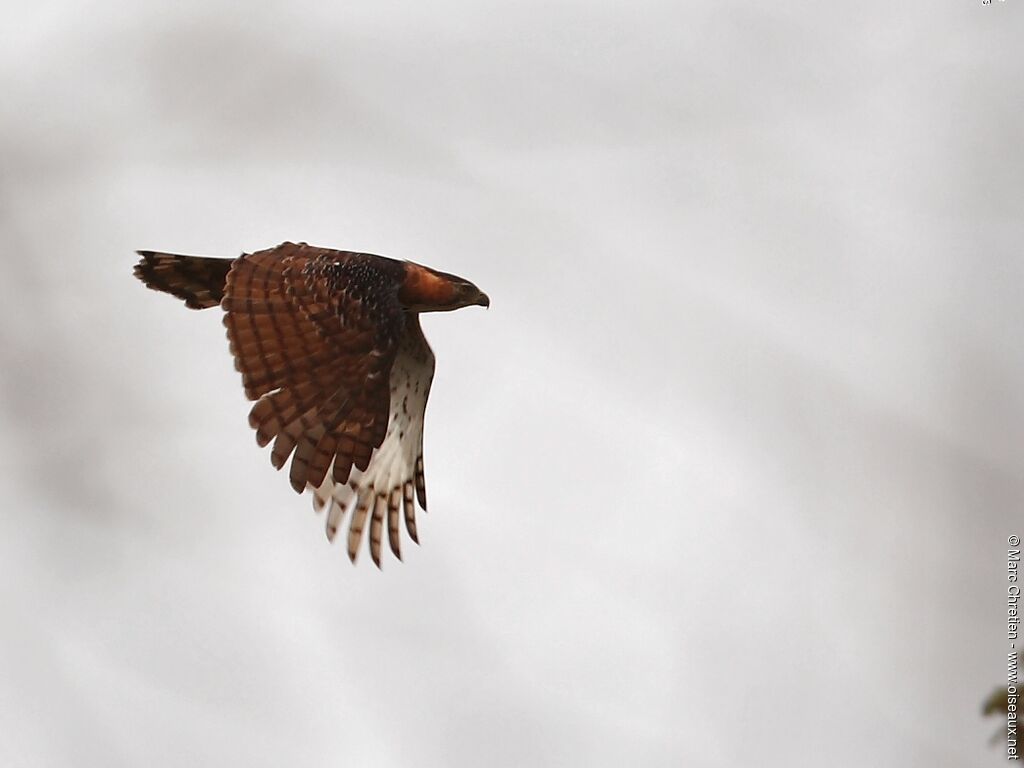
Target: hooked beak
point(483, 300)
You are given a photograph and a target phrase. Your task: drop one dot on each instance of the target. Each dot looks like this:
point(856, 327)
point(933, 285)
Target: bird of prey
point(329, 346)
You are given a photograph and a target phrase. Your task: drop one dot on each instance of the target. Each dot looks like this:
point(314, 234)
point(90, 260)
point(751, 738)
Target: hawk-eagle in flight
point(329, 346)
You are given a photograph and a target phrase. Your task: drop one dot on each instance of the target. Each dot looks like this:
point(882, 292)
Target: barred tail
point(198, 280)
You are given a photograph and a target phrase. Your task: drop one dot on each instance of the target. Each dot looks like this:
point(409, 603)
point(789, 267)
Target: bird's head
point(427, 290)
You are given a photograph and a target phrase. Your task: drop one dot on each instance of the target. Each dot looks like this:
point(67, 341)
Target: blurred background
point(724, 477)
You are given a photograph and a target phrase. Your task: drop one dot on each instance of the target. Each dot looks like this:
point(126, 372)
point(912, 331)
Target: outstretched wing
point(395, 473)
point(315, 333)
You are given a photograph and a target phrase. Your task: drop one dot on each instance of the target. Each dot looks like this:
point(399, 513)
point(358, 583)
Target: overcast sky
point(724, 477)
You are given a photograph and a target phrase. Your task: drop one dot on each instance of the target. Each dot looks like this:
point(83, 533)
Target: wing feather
point(314, 333)
point(340, 374)
point(377, 492)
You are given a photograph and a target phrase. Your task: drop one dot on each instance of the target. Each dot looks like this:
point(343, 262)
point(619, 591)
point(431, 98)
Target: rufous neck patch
point(423, 288)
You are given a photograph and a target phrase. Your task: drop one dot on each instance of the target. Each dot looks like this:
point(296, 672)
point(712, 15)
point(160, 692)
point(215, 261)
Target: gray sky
point(724, 477)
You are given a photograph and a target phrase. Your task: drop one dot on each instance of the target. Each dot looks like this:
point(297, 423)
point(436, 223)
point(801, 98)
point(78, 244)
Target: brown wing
point(314, 332)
